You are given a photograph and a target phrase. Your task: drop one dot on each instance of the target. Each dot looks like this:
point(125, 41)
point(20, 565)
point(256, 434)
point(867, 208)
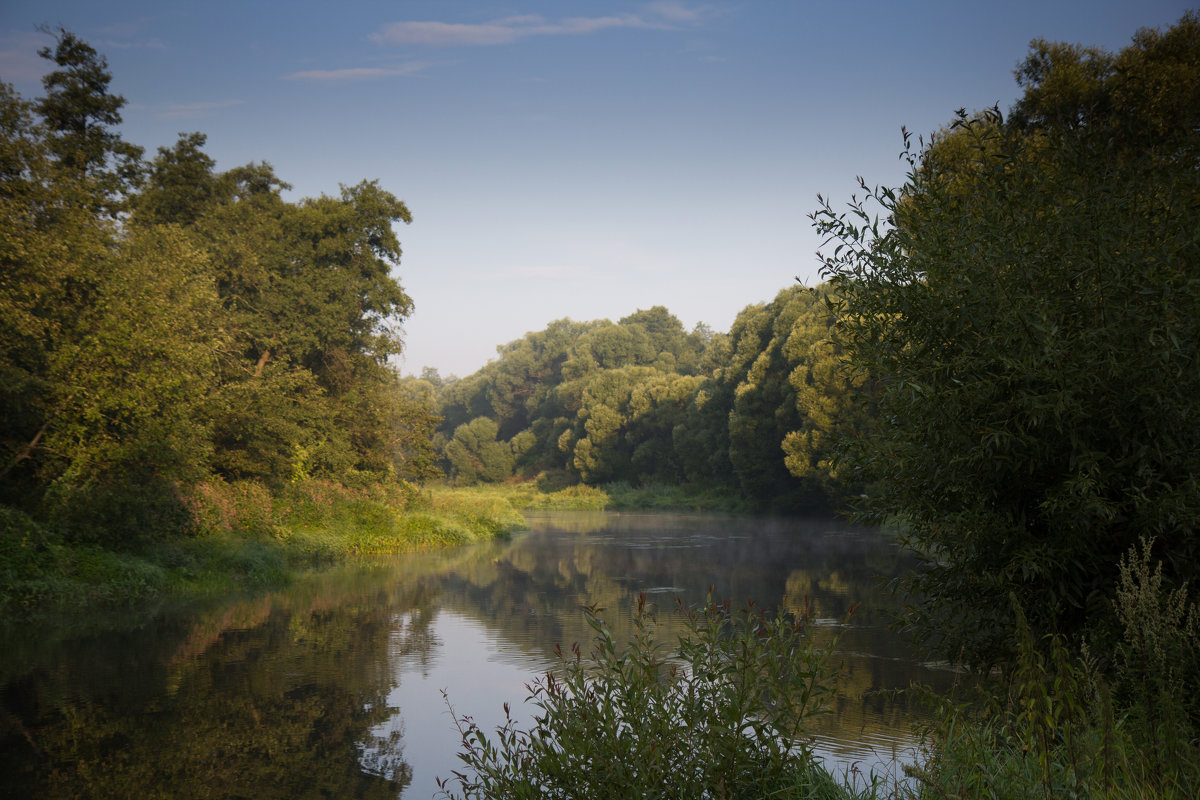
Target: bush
point(722, 714)
point(243, 508)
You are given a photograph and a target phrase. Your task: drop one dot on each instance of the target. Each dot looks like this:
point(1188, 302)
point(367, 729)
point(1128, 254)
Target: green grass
point(544, 496)
point(527, 496)
point(241, 537)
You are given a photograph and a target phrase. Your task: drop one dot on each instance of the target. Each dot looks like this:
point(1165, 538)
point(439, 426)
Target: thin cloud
point(559, 272)
point(126, 29)
point(664, 15)
point(19, 62)
point(675, 11)
point(357, 73)
point(149, 44)
point(129, 34)
point(193, 110)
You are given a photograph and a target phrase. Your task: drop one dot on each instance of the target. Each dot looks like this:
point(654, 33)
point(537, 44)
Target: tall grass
point(1063, 726)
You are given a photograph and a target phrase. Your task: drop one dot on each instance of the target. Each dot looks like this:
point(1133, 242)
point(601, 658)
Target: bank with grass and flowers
point(238, 536)
point(230, 536)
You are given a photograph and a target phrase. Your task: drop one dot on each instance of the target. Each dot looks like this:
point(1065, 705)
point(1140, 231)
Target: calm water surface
point(334, 687)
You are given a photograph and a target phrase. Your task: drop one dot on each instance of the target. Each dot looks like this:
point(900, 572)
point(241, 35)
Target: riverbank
point(238, 536)
point(542, 495)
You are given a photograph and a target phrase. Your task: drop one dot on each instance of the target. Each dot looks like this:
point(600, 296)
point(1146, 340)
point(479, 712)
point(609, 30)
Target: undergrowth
point(1072, 724)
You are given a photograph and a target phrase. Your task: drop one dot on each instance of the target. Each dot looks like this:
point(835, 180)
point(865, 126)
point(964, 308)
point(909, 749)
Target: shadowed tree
point(1027, 306)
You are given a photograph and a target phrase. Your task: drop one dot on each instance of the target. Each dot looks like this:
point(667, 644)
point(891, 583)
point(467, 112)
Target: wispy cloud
point(129, 34)
point(19, 61)
point(149, 44)
point(676, 11)
point(127, 29)
point(358, 73)
point(663, 15)
point(194, 110)
point(559, 272)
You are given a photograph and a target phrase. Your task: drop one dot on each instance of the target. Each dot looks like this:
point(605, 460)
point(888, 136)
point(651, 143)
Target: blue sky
point(568, 159)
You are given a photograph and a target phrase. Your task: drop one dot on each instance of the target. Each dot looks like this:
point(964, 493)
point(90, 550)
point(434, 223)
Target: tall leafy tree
point(81, 116)
point(157, 326)
point(133, 424)
point(771, 342)
point(313, 309)
point(179, 185)
point(833, 403)
point(476, 455)
point(1028, 303)
point(52, 250)
point(109, 334)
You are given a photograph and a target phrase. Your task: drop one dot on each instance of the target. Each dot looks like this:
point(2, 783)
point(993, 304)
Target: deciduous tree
point(1030, 311)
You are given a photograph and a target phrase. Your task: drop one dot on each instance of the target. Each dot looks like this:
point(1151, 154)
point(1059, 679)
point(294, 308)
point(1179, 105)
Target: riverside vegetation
point(1018, 329)
point(1002, 364)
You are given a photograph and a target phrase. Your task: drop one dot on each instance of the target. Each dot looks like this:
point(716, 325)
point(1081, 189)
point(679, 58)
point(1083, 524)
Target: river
point(334, 686)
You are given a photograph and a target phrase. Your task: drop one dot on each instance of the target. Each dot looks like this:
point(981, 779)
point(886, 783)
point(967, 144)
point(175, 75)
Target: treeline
point(643, 401)
point(163, 323)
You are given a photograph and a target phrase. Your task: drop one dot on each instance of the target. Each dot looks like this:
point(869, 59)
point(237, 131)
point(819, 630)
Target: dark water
point(333, 688)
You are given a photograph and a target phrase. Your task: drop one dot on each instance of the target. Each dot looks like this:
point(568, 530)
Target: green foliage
point(771, 345)
point(721, 714)
point(1026, 314)
point(163, 323)
point(475, 455)
point(81, 118)
point(572, 498)
point(1158, 664)
point(644, 402)
point(180, 184)
point(132, 390)
point(1061, 727)
point(243, 536)
point(622, 428)
point(39, 569)
point(311, 306)
point(412, 422)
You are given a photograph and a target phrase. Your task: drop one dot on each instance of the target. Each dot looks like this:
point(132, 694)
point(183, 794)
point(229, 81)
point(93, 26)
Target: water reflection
point(334, 687)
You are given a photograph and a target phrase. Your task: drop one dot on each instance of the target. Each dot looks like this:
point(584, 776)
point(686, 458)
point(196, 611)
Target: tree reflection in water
point(272, 697)
point(332, 688)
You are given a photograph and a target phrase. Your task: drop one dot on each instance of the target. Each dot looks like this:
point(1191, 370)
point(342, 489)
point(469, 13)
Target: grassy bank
point(239, 536)
point(535, 496)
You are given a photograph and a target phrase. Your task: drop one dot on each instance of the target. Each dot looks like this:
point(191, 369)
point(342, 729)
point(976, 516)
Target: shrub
point(722, 714)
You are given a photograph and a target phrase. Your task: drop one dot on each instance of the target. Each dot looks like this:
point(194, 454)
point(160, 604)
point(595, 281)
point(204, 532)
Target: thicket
point(719, 713)
point(1027, 311)
point(241, 535)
